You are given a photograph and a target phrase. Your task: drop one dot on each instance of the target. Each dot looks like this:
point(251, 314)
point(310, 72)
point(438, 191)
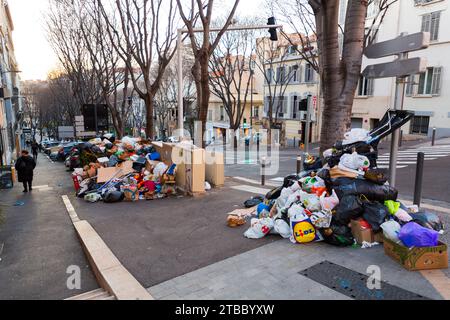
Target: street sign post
point(400, 68)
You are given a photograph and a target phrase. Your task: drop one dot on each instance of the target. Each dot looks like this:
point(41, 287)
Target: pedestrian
point(25, 166)
point(35, 149)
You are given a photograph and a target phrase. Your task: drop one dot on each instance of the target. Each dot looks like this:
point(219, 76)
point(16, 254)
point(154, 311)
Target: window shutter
point(436, 82)
point(426, 23)
point(370, 87)
point(435, 18)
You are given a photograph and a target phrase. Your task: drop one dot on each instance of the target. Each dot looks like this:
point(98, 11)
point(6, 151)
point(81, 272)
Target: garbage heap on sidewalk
point(130, 169)
point(344, 200)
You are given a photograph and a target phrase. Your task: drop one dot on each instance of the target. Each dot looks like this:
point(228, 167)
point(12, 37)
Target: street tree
point(232, 73)
point(112, 75)
point(340, 31)
point(203, 47)
point(145, 40)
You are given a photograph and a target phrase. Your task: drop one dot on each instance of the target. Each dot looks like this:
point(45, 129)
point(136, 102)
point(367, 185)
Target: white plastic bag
point(295, 211)
point(259, 228)
point(355, 135)
point(402, 215)
point(160, 169)
point(354, 161)
point(128, 140)
point(329, 203)
point(282, 228)
point(322, 219)
point(391, 229)
point(293, 198)
point(310, 201)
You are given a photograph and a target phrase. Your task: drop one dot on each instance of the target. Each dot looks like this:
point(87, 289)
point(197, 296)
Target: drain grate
point(354, 284)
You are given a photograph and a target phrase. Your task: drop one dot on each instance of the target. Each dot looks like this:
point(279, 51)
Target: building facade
point(288, 80)
point(427, 94)
point(11, 135)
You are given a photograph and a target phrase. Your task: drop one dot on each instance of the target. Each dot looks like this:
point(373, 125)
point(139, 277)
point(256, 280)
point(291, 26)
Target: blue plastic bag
point(414, 235)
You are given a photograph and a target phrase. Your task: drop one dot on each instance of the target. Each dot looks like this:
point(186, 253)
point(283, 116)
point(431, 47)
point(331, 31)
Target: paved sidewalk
point(39, 240)
point(271, 272)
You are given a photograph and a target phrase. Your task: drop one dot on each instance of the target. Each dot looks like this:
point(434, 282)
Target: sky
point(33, 52)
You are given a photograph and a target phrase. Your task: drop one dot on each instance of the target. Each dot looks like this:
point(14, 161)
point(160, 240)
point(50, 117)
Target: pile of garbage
point(130, 169)
point(344, 200)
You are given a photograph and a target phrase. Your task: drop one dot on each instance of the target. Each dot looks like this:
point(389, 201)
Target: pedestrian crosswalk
point(409, 156)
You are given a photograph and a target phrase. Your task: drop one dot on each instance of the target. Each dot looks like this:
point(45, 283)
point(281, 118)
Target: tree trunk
point(339, 76)
point(149, 130)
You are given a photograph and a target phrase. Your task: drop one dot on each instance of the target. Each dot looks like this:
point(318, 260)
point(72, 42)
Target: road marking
point(439, 281)
point(41, 187)
point(255, 181)
point(398, 162)
point(251, 189)
point(387, 167)
point(70, 209)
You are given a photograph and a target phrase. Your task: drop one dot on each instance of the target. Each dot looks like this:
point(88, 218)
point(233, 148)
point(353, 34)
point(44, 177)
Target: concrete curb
point(110, 273)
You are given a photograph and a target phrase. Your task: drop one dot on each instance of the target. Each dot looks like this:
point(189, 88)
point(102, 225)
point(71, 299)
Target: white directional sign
point(408, 43)
point(399, 68)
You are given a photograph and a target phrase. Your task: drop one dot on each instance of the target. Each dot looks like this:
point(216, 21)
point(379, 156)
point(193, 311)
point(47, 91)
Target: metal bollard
point(419, 179)
point(263, 171)
point(299, 164)
point(433, 139)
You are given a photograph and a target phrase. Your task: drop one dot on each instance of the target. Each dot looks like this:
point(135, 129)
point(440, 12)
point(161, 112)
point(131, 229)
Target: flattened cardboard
point(106, 174)
point(413, 259)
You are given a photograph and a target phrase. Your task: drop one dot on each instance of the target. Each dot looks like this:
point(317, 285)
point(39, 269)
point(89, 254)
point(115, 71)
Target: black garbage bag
point(428, 220)
point(378, 176)
point(289, 181)
point(338, 234)
point(274, 194)
point(372, 191)
point(109, 146)
point(375, 214)
point(350, 208)
point(325, 175)
point(96, 150)
point(253, 202)
point(313, 165)
point(113, 196)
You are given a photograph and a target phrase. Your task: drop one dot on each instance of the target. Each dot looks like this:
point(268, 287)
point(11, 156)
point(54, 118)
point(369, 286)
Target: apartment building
point(288, 81)
point(427, 94)
point(11, 138)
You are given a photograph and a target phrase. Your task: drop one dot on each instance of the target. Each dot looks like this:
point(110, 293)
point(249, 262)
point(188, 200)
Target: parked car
point(65, 150)
point(52, 148)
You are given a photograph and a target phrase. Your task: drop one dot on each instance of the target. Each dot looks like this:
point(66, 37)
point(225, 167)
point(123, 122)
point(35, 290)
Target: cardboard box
point(412, 259)
point(106, 174)
point(365, 235)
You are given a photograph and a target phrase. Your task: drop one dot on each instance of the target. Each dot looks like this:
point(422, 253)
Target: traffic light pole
point(180, 62)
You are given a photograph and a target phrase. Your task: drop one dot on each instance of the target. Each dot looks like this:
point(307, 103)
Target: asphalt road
point(39, 242)
point(436, 182)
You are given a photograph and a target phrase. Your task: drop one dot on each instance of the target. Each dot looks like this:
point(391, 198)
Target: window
point(357, 123)
point(294, 74)
point(280, 106)
point(420, 125)
point(365, 87)
point(373, 9)
point(210, 115)
point(430, 23)
point(256, 112)
point(269, 76)
point(309, 73)
point(430, 82)
point(281, 75)
point(293, 50)
point(222, 113)
point(295, 106)
point(410, 85)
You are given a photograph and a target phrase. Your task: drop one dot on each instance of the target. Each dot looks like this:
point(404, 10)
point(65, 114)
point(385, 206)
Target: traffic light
point(303, 105)
point(272, 31)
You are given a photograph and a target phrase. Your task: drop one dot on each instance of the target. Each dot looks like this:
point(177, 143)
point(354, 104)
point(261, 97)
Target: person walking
point(35, 149)
point(25, 166)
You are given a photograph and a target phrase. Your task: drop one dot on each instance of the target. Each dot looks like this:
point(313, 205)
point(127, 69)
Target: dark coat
point(25, 166)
